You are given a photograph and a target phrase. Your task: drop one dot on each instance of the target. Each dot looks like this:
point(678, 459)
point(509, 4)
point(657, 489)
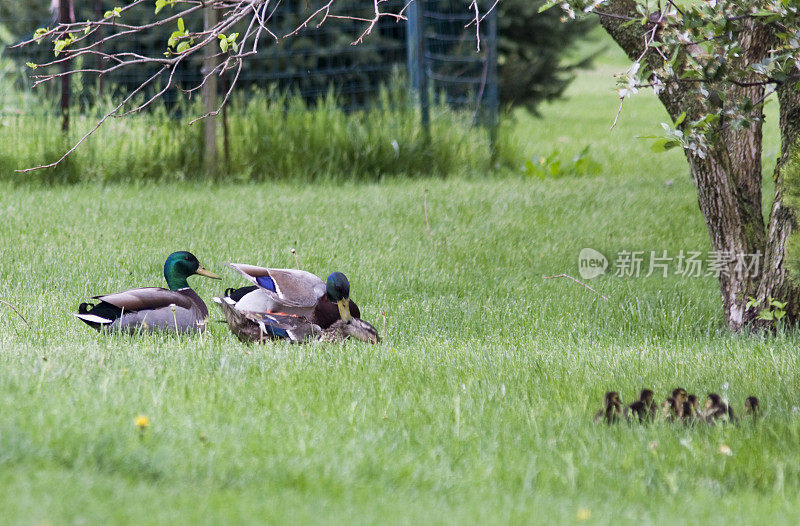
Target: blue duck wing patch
point(277, 332)
point(266, 282)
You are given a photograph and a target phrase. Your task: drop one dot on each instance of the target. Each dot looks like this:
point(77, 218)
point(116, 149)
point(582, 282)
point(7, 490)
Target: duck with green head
point(293, 304)
point(177, 309)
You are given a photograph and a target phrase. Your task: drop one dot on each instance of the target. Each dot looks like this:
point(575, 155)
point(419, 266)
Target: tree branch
point(252, 12)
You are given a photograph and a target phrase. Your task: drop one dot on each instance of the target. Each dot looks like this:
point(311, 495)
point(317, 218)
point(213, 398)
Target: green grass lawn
point(476, 408)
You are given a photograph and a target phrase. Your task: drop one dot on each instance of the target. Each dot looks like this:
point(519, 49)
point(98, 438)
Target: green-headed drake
point(177, 308)
point(293, 304)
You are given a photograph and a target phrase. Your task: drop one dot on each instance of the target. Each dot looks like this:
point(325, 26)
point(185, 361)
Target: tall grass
point(271, 136)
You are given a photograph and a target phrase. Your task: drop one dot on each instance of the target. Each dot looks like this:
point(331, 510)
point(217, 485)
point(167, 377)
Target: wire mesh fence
point(314, 61)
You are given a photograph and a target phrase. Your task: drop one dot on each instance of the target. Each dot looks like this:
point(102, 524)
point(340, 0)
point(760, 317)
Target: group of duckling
point(678, 407)
point(287, 304)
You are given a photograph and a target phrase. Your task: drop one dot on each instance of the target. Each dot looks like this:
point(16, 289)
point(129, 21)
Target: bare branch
point(12, 307)
point(88, 39)
point(99, 123)
point(576, 281)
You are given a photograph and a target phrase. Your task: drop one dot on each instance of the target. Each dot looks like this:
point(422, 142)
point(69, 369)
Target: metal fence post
point(417, 63)
point(210, 95)
point(412, 43)
point(98, 14)
point(64, 11)
point(492, 90)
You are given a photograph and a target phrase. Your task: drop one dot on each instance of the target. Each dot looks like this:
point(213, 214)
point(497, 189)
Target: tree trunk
point(728, 177)
point(783, 219)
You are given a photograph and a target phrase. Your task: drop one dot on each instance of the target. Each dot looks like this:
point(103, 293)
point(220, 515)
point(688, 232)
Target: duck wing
point(258, 326)
point(149, 308)
point(147, 298)
point(288, 287)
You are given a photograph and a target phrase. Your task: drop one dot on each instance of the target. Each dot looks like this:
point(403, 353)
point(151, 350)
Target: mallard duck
point(690, 408)
point(644, 408)
point(178, 308)
point(669, 409)
point(293, 304)
point(258, 327)
point(611, 411)
point(715, 409)
point(680, 397)
point(752, 407)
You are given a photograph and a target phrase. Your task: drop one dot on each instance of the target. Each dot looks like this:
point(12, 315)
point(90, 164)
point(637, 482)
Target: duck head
point(713, 400)
point(337, 289)
point(179, 266)
point(354, 328)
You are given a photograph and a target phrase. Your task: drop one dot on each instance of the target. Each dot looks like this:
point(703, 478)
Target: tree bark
point(728, 176)
point(783, 219)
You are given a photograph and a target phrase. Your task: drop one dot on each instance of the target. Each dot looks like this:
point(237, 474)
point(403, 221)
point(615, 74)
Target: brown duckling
point(691, 408)
point(669, 409)
point(680, 397)
point(644, 408)
point(716, 409)
point(612, 409)
point(752, 407)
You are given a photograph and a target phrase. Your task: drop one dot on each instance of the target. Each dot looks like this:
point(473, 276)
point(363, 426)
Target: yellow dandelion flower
point(584, 514)
point(141, 421)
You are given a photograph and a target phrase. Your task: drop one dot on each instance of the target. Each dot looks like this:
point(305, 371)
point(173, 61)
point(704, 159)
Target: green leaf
point(662, 145)
point(546, 6)
point(680, 119)
point(40, 33)
point(555, 169)
point(181, 25)
point(183, 46)
point(32, 65)
point(160, 4)
point(765, 315)
point(223, 45)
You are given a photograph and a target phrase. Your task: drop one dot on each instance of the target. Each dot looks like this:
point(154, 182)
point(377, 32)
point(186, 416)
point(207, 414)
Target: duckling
point(752, 407)
point(680, 396)
point(690, 409)
point(669, 409)
point(611, 410)
point(716, 409)
point(644, 408)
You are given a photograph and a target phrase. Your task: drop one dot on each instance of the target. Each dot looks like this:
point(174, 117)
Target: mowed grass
point(476, 408)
